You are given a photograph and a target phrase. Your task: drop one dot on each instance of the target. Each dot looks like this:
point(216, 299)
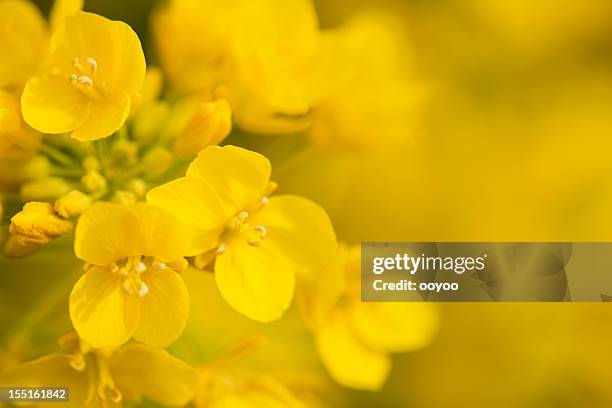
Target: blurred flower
point(23, 42)
point(354, 338)
point(258, 55)
point(202, 124)
point(107, 377)
point(44, 189)
point(96, 66)
point(369, 97)
point(258, 244)
point(17, 140)
point(130, 287)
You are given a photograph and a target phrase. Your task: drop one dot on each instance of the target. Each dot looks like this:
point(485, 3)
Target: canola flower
point(131, 286)
point(256, 244)
point(355, 339)
point(96, 67)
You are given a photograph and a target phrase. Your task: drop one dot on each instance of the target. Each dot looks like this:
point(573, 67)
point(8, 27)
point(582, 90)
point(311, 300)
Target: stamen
point(141, 267)
point(93, 64)
point(85, 80)
point(73, 78)
point(222, 248)
point(265, 200)
point(263, 232)
point(144, 289)
point(159, 265)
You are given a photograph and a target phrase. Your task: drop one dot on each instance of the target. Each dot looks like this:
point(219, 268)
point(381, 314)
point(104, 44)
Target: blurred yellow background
point(512, 141)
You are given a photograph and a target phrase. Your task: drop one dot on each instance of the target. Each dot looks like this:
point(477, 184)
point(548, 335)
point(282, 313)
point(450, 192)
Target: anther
point(73, 78)
point(243, 215)
point(144, 289)
point(265, 200)
point(92, 62)
point(84, 79)
point(221, 249)
point(141, 267)
point(263, 232)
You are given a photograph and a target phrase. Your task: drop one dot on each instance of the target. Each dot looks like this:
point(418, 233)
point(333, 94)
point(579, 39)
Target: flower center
point(254, 234)
point(84, 78)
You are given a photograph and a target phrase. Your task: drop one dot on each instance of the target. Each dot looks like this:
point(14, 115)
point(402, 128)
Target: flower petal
point(394, 327)
point(348, 361)
point(239, 177)
point(196, 207)
point(105, 233)
point(104, 119)
point(257, 282)
point(139, 370)
point(51, 104)
point(102, 314)
point(164, 309)
point(159, 233)
point(300, 230)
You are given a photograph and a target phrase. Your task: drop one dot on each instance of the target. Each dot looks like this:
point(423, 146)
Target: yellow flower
point(258, 244)
point(17, 140)
point(131, 287)
point(354, 338)
point(23, 42)
point(201, 123)
point(258, 55)
point(96, 66)
point(369, 98)
point(107, 377)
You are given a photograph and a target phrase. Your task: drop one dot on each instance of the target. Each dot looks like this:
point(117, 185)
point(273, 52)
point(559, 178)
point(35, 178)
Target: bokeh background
point(512, 141)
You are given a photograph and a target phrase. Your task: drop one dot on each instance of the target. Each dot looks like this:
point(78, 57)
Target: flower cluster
point(103, 152)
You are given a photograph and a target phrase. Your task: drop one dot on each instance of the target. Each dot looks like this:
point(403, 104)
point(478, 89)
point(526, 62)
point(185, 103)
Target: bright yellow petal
point(239, 177)
point(53, 370)
point(105, 233)
point(102, 314)
point(394, 327)
point(104, 119)
point(257, 282)
point(62, 9)
point(23, 41)
point(159, 233)
point(51, 104)
point(164, 310)
point(300, 230)
point(112, 44)
point(348, 361)
point(153, 373)
point(196, 207)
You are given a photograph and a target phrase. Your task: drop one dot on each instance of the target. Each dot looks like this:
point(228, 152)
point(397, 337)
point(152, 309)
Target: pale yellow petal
point(300, 230)
point(105, 233)
point(394, 327)
point(256, 281)
point(348, 361)
point(153, 373)
point(104, 119)
point(61, 9)
point(51, 104)
point(239, 177)
point(196, 206)
point(101, 313)
point(164, 309)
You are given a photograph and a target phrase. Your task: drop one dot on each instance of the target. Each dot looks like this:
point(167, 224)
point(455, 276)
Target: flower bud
point(93, 181)
point(125, 151)
point(46, 189)
point(37, 223)
point(157, 161)
point(91, 163)
point(72, 204)
point(208, 125)
point(137, 186)
point(124, 197)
